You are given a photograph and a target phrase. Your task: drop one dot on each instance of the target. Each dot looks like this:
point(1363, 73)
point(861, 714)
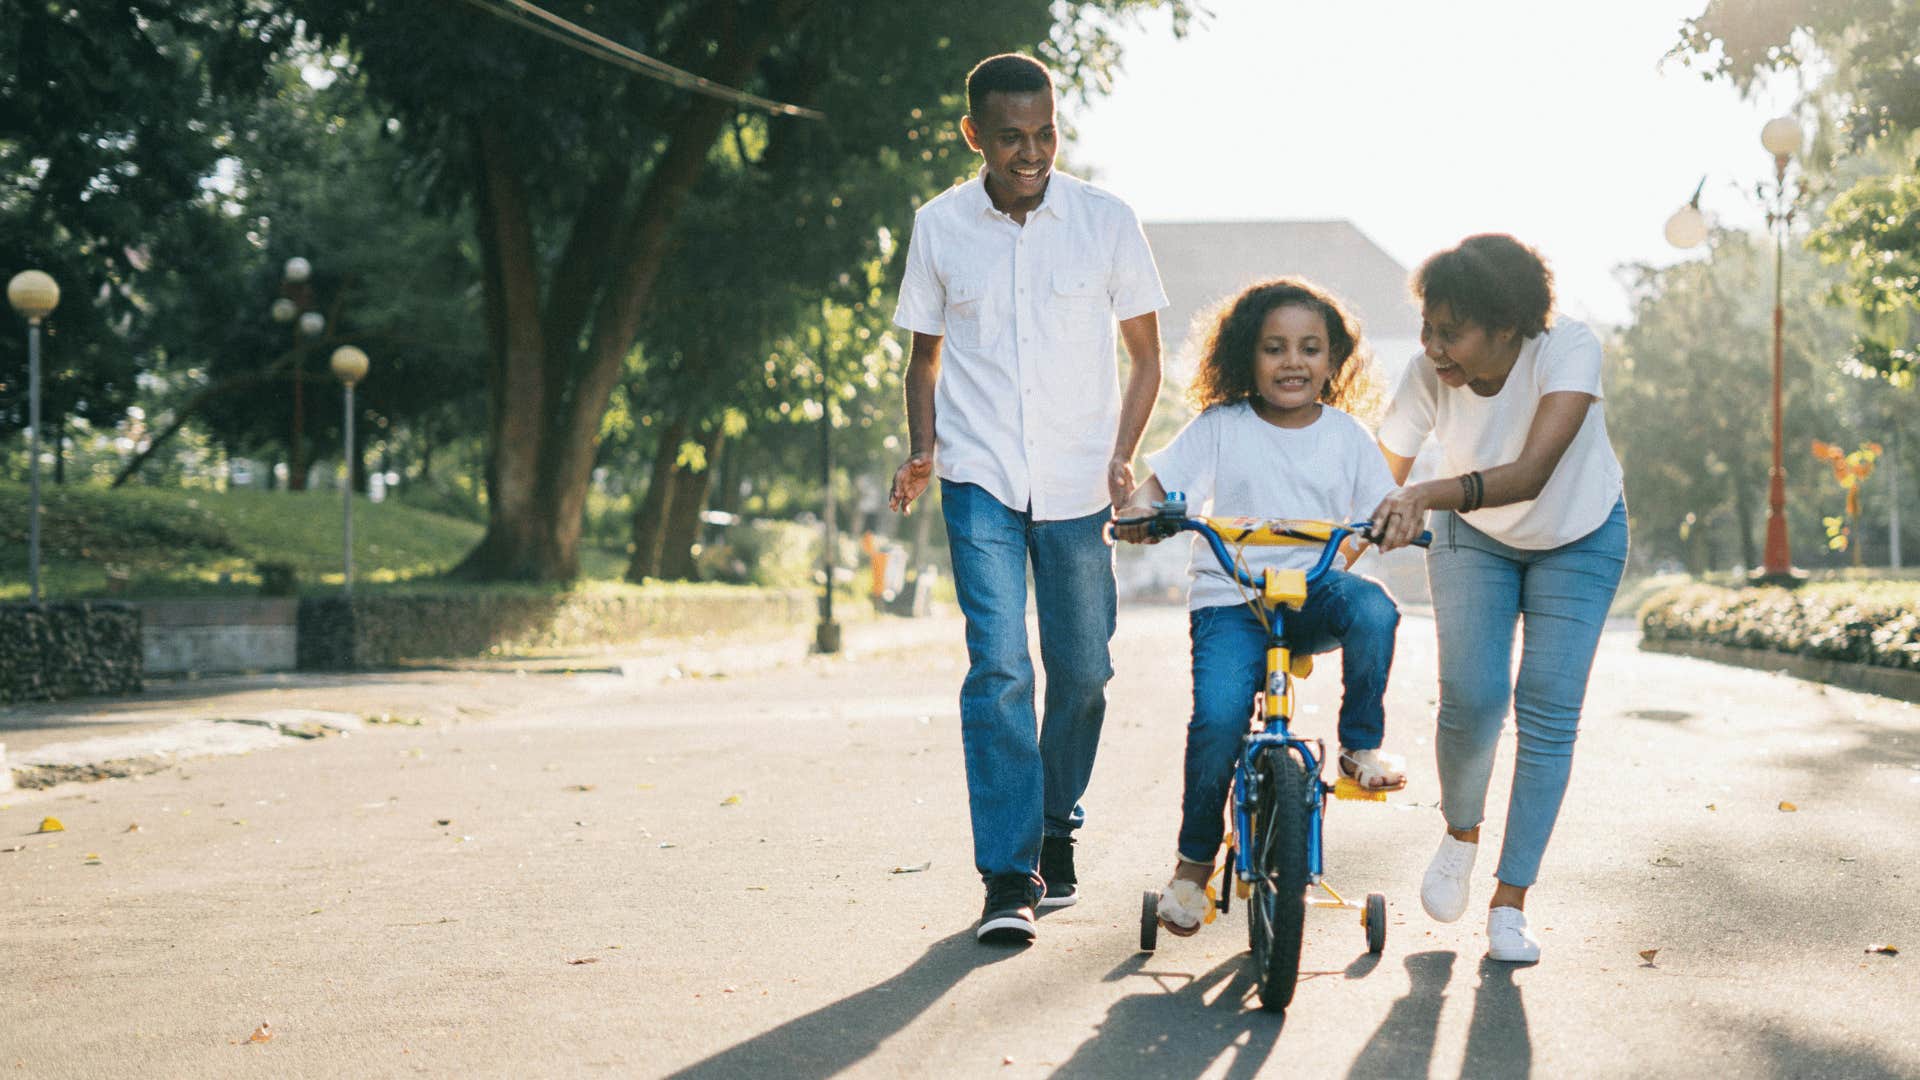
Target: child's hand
point(1138, 533)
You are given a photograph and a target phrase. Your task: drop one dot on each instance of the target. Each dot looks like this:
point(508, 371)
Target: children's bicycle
point(1274, 853)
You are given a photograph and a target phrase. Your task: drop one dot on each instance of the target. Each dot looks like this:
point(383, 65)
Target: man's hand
point(1120, 482)
point(910, 480)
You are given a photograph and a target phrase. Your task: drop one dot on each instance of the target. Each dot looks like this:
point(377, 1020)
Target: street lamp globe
point(1687, 227)
point(349, 364)
point(313, 324)
point(297, 270)
point(33, 294)
point(284, 310)
point(1781, 136)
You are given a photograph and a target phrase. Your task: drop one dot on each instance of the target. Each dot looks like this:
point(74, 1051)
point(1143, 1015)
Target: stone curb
point(1888, 682)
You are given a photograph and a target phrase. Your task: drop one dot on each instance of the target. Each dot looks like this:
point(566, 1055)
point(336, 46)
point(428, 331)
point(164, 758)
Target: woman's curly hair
point(1224, 374)
point(1490, 279)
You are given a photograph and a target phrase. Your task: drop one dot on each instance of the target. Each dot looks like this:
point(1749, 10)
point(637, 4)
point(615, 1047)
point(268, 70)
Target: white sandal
point(1185, 907)
point(1374, 770)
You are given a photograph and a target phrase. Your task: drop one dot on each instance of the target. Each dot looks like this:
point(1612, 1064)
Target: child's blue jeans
point(1559, 597)
point(1343, 611)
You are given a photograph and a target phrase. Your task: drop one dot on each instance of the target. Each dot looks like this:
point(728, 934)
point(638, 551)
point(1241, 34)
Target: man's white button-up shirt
point(1028, 399)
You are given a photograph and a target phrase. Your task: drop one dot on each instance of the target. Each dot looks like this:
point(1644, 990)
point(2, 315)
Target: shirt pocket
point(966, 314)
point(1078, 308)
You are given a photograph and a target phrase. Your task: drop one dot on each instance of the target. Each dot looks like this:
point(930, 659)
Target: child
point(1271, 441)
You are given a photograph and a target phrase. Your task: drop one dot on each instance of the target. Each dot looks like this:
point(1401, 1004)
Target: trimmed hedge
point(1861, 623)
point(382, 629)
point(52, 651)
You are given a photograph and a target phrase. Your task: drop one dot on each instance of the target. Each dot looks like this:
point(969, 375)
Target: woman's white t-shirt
point(1480, 433)
point(1231, 463)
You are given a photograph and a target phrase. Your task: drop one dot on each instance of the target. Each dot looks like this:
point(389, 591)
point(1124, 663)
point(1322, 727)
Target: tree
point(1687, 403)
point(1868, 91)
point(578, 172)
point(109, 128)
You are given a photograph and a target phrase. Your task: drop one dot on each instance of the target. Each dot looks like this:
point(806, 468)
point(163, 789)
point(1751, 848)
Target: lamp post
point(296, 295)
point(34, 295)
point(349, 366)
point(1688, 226)
point(1781, 136)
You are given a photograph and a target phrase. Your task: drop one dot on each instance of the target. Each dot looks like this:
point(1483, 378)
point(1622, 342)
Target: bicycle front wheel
point(1277, 911)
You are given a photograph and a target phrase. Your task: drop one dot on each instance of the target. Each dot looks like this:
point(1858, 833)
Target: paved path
point(690, 874)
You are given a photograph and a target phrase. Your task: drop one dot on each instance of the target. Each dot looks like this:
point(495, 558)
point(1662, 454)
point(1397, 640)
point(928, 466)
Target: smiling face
point(1292, 361)
point(1014, 132)
point(1464, 353)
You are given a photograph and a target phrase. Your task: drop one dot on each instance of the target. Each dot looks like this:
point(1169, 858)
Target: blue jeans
point(1344, 611)
point(1559, 597)
point(1024, 780)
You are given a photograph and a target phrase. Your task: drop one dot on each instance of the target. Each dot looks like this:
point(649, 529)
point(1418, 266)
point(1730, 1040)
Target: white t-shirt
point(1029, 394)
point(1231, 463)
point(1477, 432)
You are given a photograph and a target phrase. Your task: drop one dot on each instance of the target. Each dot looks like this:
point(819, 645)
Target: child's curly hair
point(1224, 374)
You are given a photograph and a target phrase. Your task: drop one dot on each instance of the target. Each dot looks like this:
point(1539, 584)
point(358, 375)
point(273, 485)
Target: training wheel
point(1149, 920)
point(1374, 919)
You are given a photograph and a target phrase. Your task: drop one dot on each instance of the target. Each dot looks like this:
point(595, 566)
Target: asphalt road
point(689, 871)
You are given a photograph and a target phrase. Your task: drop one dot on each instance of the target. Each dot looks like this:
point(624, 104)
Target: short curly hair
point(1224, 375)
point(1492, 280)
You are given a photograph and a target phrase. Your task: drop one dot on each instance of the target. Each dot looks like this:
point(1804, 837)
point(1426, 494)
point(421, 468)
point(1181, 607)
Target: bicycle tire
point(1277, 910)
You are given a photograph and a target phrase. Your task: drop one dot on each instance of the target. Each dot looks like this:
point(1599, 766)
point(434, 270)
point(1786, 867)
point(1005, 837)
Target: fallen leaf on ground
point(922, 867)
point(51, 824)
point(667, 844)
point(756, 888)
point(731, 800)
point(443, 821)
point(260, 1034)
point(1649, 954)
point(135, 827)
point(585, 960)
point(579, 787)
point(1787, 807)
point(1710, 806)
point(1667, 860)
point(11, 850)
point(1883, 950)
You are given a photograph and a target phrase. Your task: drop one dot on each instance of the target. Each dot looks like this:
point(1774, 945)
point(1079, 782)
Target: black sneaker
point(1008, 916)
point(1056, 869)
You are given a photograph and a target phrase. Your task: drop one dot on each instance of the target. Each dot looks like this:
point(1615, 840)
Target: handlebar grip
point(1425, 539)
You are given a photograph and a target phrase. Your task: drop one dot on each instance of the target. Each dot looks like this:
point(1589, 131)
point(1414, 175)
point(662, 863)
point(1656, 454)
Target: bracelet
point(1473, 491)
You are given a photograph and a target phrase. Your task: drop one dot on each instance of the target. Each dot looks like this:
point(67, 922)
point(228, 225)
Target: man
point(1013, 283)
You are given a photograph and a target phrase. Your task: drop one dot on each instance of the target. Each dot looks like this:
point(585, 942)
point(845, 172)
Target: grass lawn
point(171, 542)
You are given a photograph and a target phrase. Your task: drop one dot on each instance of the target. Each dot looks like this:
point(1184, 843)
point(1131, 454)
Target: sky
point(1425, 122)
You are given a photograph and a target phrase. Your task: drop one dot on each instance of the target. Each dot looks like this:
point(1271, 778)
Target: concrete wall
point(179, 636)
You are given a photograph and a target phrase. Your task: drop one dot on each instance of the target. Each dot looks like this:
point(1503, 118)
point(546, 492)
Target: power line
point(578, 37)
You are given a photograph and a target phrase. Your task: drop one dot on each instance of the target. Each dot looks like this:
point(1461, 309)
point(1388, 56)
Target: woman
point(1530, 527)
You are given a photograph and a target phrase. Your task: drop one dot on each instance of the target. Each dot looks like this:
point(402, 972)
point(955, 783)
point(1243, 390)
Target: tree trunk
point(690, 490)
point(546, 399)
point(59, 427)
point(650, 517)
point(1743, 518)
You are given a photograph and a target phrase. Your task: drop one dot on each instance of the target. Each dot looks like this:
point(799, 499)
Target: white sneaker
point(1508, 937)
point(1443, 892)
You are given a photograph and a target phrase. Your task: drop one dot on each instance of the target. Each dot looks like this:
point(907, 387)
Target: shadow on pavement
point(1498, 1043)
point(838, 1036)
point(1403, 1043)
point(1177, 1032)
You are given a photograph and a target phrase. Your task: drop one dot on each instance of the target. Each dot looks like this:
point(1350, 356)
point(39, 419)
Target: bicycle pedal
point(1348, 788)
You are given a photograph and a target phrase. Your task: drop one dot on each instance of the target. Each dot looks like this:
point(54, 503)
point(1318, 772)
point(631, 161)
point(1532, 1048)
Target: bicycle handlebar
point(1173, 519)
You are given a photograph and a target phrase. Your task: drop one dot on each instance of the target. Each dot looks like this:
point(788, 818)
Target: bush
point(1861, 622)
point(774, 554)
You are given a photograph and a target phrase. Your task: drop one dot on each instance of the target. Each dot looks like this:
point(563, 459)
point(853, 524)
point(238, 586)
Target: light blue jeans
point(1559, 598)
point(1024, 779)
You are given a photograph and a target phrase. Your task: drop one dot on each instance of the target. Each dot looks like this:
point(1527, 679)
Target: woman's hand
point(1400, 517)
point(1120, 483)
